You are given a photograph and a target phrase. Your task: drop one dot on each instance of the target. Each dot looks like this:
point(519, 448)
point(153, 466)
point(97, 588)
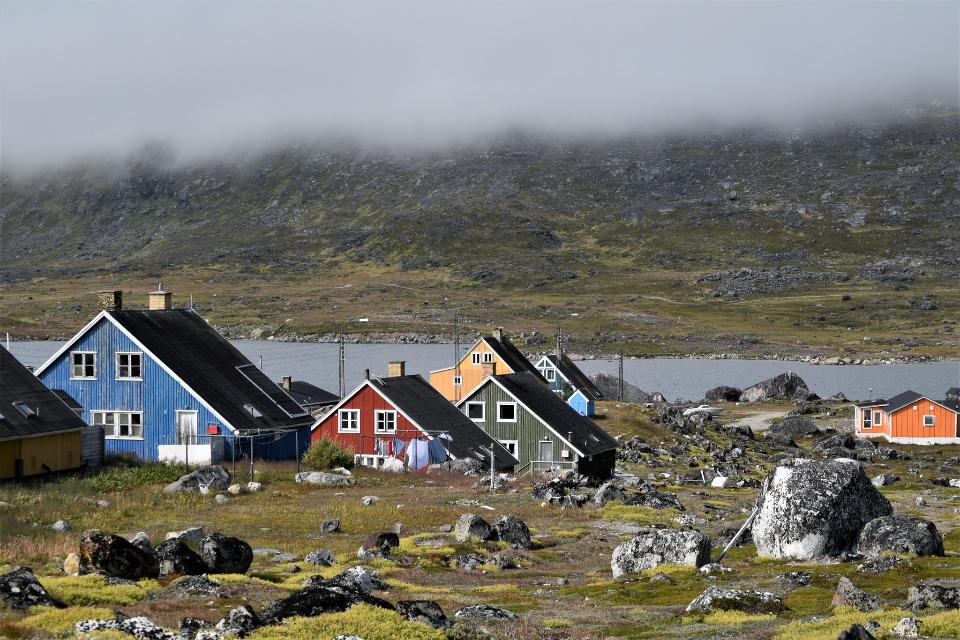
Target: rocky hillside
point(695, 220)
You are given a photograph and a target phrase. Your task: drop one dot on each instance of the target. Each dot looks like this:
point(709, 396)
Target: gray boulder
point(884, 480)
point(608, 492)
point(20, 590)
point(814, 508)
point(114, 556)
point(470, 525)
point(212, 478)
point(240, 621)
point(174, 557)
point(142, 541)
point(747, 600)
point(485, 611)
point(320, 558)
point(324, 478)
point(609, 386)
point(848, 595)
point(786, 386)
point(902, 535)
point(723, 393)
point(652, 547)
point(224, 554)
point(856, 632)
point(330, 525)
point(933, 596)
point(513, 531)
point(426, 611)
point(794, 426)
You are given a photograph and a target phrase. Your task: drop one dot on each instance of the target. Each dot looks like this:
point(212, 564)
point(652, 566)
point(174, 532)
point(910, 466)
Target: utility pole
point(456, 356)
point(341, 362)
point(492, 470)
point(559, 342)
point(620, 377)
point(261, 363)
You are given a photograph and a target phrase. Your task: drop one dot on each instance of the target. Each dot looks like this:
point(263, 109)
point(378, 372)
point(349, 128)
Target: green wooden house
point(535, 425)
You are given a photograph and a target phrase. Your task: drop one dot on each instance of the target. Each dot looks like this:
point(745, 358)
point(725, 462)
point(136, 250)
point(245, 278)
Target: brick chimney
point(159, 300)
point(498, 334)
point(110, 300)
point(396, 368)
point(488, 369)
point(287, 382)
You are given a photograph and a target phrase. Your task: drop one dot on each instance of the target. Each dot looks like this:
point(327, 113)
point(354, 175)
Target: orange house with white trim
point(909, 418)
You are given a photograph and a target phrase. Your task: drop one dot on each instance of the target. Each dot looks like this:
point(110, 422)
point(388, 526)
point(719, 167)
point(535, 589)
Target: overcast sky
point(81, 77)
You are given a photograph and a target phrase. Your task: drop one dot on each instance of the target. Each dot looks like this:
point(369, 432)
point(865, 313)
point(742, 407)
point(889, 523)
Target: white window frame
point(458, 381)
point(487, 357)
point(877, 418)
point(355, 413)
point(115, 424)
point(866, 419)
point(933, 420)
point(139, 354)
point(508, 443)
point(503, 404)
point(84, 365)
point(550, 374)
point(475, 357)
point(483, 410)
point(380, 413)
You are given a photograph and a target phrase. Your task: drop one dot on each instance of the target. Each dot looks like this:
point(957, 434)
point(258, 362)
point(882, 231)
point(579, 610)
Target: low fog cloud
point(91, 77)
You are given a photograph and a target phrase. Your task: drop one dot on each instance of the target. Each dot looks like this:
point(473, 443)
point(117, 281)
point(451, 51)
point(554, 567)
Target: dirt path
point(759, 422)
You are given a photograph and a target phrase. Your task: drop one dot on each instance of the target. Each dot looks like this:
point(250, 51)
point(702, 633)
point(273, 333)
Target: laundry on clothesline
point(437, 450)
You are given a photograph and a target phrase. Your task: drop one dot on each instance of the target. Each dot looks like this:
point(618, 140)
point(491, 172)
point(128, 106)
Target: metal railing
point(553, 465)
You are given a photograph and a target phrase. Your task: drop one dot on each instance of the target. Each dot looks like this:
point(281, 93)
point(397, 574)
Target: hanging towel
point(438, 453)
point(398, 446)
point(418, 455)
point(381, 447)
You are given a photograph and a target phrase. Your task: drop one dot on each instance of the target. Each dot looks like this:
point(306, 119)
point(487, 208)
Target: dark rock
point(608, 492)
point(747, 600)
point(904, 535)
point(20, 590)
point(116, 557)
point(240, 621)
point(839, 452)
point(320, 558)
point(330, 525)
point(796, 578)
point(646, 495)
point(881, 564)
point(884, 480)
point(722, 394)
point(513, 531)
point(779, 439)
point(794, 426)
point(485, 611)
point(786, 386)
point(142, 542)
point(356, 578)
point(810, 509)
point(933, 596)
point(174, 557)
point(609, 386)
point(470, 525)
point(213, 478)
point(652, 547)
point(856, 632)
point(468, 562)
point(426, 611)
point(224, 554)
point(318, 599)
point(844, 440)
point(380, 543)
point(850, 596)
point(190, 627)
point(192, 586)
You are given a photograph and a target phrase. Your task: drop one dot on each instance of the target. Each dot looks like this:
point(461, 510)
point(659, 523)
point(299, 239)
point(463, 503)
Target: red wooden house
point(403, 408)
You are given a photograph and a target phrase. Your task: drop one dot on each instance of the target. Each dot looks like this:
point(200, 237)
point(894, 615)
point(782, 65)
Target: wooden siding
point(908, 421)
point(528, 431)
point(367, 401)
point(158, 396)
point(581, 404)
point(472, 374)
point(883, 428)
point(57, 452)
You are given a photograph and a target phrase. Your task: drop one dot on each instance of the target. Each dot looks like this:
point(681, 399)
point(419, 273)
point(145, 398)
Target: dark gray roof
point(308, 395)
point(513, 357)
point(901, 400)
point(214, 369)
point(575, 376)
point(435, 414)
point(19, 385)
point(549, 407)
point(68, 399)
point(879, 402)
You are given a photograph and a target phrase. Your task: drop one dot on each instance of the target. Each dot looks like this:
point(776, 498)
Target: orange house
point(909, 418)
point(493, 355)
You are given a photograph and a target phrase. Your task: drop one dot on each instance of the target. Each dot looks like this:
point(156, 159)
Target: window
point(129, 366)
point(385, 421)
point(510, 445)
point(487, 357)
point(550, 374)
point(867, 415)
point(877, 418)
point(120, 424)
point(475, 411)
point(482, 357)
point(507, 411)
point(25, 409)
point(349, 420)
point(252, 410)
point(457, 381)
point(929, 421)
point(84, 364)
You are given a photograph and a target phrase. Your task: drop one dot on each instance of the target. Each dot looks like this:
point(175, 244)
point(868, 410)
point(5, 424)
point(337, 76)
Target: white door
point(186, 427)
point(545, 455)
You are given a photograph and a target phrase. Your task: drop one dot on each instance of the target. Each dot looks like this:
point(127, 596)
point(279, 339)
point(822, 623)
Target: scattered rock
point(116, 557)
point(193, 534)
point(330, 525)
point(360, 578)
point(190, 627)
point(907, 628)
point(794, 426)
point(485, 611)
point(884, 480)
point(713, 569)
point(224, 554)
point(142, 541)
point(317, 599)
point(140, 628)
point(856, 632)
point(426, 611)
point(747, 600)
point(904, 535)
point(20, 590)
point(369, 500)
point(324, 478)
point(881, 564)
point(796, 578)
point(202, 480)
point(174, 557)
point(235, 489)
point(253, 487)
point(514, 531)
point(723, 393)
point(810, 509)
point(850, 596)
point(608, 492)
point(61, 526)
point(240, 621)
point(933, 595)
point(320, 558)
point(378, 545)
point(470, 525)
point(71, 564)
point(653, 547)
point(786, 386)
point(193, 586)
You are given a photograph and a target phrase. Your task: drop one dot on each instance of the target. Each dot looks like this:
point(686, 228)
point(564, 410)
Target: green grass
point(370, 623)
point(91, 590)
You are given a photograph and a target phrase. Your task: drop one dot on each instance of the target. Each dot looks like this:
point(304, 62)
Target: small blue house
point(570, 383)
point(165, 385)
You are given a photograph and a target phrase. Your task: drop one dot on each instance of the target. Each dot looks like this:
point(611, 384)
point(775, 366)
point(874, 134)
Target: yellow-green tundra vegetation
point(563, 587)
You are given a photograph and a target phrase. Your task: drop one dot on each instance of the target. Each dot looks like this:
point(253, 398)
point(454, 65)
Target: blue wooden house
point(165, 385)
point(570, 383)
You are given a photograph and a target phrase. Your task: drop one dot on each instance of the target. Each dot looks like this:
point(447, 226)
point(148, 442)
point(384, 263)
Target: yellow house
point(492, 355)
point(39, 433)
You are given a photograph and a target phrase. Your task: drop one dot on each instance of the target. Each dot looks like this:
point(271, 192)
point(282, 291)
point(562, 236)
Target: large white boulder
point(653, 547)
